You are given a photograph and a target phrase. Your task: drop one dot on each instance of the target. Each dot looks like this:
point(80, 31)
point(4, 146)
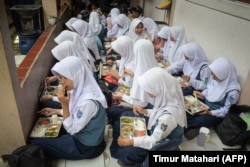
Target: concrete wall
point(19, 103)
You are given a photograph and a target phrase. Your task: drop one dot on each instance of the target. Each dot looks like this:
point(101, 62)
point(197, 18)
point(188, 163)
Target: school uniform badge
point(79, 114)
point(164, 127)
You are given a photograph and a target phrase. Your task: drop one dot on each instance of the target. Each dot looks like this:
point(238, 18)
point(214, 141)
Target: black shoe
point(191, 133)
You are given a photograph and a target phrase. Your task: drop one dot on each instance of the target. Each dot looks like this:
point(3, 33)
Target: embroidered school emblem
point(79, 114)
point(164, 127)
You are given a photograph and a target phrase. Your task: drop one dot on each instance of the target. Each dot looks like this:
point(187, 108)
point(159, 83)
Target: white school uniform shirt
point(168, 98)
point(197, 59)
point(174, 54)
point(95, 23)
point(131, 32)
point(144, 60)
point(69, 23)
point(123, 21)
point(124, 46)
point(79, 42)
point(151, 27)
point(112, 25)
point(81, 108)
point(83, 29)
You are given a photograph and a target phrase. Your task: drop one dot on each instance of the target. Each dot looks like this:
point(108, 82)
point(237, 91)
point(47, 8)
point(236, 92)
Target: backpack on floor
point(233, 130)
point(27, 156)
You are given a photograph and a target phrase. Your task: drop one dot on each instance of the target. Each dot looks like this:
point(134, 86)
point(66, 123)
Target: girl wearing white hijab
point(83, 111)
point(112, 25)
point(61, 51)
point(70, 22)
point(79, 42)
point(124, 47)
point(194, 68)
point(162, 43)
point(222, 91)
point(167, 119)
point(176, 37)
point(144, 60)
point(151, 28)
point(123, 23)
point(136, 30)
point(86, 33)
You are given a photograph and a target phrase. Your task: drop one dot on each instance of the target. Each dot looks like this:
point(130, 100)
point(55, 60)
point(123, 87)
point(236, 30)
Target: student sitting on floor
point(223, 90)
point(194, 68)
point(86, 33)
point(175, 37)
point(136, 30)
point(83, 111)
point(112, 26)
point(124, 47)
point(151, 28)
point(79, 42)
point(144, 60)
point(167, 119)
point(61, 51)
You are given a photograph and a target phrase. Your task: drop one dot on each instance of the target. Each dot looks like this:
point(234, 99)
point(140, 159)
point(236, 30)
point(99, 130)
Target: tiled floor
point(106, 160)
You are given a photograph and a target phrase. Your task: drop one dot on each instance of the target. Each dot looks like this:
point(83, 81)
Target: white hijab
point(124, 46)
point(70, 22)
point(151, 27)
point(78, 41)
point(227, 73)
point(85, 86)
point(86, 33)
point(144, 60)
point(196, 58)
point(173, 52)
point(68, 48)
point(114, 13)
point(165, 34)
point(112, 25)
point(168, 95)
point(123, 21)
point(131, 32)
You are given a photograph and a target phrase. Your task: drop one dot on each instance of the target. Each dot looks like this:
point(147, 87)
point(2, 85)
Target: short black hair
point(137, 9)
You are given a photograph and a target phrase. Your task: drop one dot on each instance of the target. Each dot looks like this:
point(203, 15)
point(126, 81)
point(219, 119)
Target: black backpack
point(232, 130)
point(27, 156)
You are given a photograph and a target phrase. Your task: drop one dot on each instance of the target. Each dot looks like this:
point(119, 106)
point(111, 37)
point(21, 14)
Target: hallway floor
point(105, 160)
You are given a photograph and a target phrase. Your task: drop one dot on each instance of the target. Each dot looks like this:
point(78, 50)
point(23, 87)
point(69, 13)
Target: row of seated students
point(155, 93)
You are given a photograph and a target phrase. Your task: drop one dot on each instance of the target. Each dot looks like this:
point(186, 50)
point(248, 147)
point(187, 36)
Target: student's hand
point(206, 112)
point(123, 142)
point(117, 95)
point(159, 56)
point(50, 79)
point(129, 72)
point(149, 37)
point(139, 110)
point(198, 94)
point(64, 100)
point(113, 39)
point(46, 98)
point(114, 74)
point(185, 78)
point(184, 84)
point(48, 111)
